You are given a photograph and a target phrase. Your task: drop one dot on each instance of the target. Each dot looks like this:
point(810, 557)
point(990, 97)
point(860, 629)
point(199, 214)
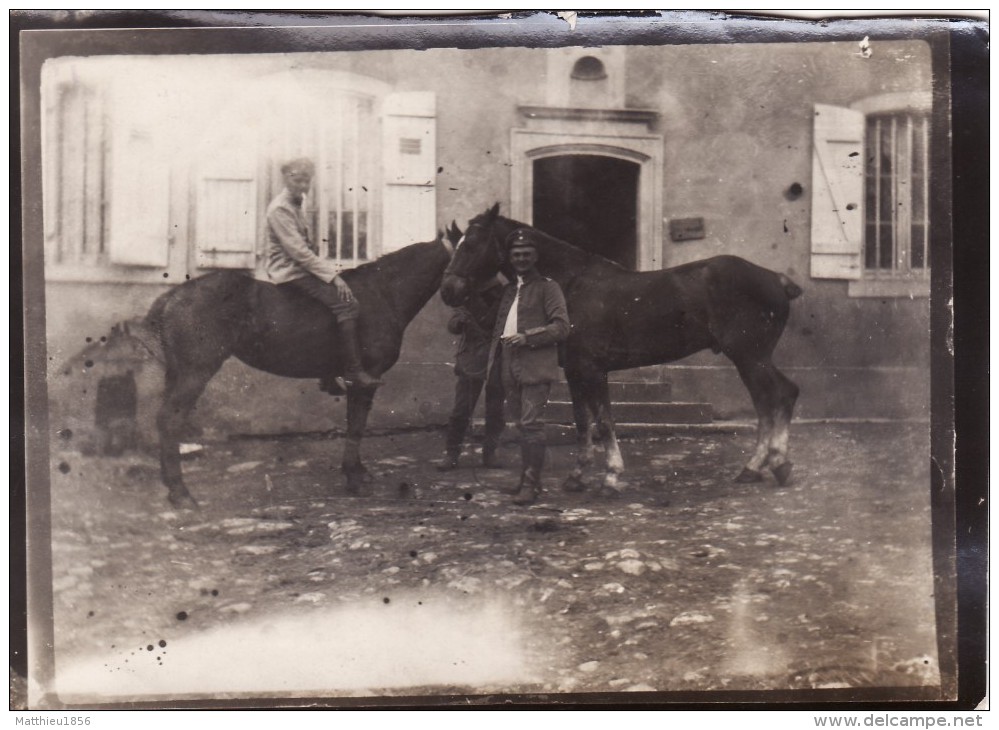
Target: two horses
point(622, 319)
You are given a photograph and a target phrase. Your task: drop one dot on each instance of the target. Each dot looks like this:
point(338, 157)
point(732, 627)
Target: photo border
point(959, 305)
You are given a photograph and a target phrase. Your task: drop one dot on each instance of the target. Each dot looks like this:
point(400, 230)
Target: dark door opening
point(591, 202)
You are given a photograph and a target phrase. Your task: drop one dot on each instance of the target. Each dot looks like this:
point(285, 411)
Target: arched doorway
point(594, 182)
point(590, 201)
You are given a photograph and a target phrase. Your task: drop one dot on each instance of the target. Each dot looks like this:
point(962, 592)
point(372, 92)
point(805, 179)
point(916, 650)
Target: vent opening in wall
point(409, 146)
point(589, 68)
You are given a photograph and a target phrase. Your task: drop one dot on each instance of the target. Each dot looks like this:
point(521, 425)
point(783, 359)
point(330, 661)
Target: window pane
point(885, 140)
point(332, 235)
point(897, 215)
point(886, 221)
point(870, 246)
point(885, 251)
point(918, 260)
point(347, 247)
point(920, 193)
point(362, 234)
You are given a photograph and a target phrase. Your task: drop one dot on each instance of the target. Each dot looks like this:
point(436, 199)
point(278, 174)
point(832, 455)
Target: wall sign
point(686, 229)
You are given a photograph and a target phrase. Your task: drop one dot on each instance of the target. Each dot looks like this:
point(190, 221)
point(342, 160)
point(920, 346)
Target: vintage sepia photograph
point(540, 358)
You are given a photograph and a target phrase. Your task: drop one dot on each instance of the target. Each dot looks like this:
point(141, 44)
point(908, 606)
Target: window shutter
point(140, 198)
point(409, 200)
point(226, 221)
point(837, 193)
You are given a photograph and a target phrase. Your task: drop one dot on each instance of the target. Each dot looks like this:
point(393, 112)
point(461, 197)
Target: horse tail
point(791, 290)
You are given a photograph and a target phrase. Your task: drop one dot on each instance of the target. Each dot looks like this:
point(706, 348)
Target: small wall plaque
point(686, 229)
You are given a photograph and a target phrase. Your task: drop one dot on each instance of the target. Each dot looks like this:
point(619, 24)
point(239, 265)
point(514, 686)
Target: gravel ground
point(282, 586)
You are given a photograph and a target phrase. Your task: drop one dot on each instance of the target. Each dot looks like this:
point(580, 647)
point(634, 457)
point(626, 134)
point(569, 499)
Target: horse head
point(478, 256)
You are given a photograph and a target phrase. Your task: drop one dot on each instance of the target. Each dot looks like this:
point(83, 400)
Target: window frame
point(895, 283)
point(370, 180)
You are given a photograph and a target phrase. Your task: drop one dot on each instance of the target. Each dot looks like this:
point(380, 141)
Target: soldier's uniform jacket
point(291, 254)
point(474, 322)
point(542, 316)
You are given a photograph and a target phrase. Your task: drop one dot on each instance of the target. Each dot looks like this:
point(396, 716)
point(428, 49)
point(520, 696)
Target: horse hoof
point(573, 484)
point(183, 501)
point(611, 481)
point(358, 484)
point(783, 472)
point(748, 476)
point(447, 464)
point(608, 492)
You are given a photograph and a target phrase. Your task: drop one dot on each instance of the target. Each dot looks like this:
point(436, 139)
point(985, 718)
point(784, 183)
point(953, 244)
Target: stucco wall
point(736, 123)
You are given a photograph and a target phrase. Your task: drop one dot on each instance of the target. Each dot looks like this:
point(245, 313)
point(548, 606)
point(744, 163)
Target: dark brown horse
point(622, 319)
point(201, 323)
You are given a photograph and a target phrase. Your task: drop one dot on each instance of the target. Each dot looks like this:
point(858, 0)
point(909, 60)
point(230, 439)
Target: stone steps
point(621, 391)
point(639, 412)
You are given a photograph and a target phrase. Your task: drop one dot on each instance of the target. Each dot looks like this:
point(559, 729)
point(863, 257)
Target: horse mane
point(573, 258)
point(571, 250)
point(408, 277)
point(399, 257)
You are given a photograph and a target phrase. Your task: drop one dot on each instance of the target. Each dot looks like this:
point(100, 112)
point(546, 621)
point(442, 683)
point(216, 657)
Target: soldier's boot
point(531, 487)
point(450, 460)
point(489, 458)
point(354, 375)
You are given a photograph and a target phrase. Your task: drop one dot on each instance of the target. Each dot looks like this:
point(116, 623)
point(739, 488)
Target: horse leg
point(181, 393)
point(584, 435)
point(358, 407)
point(757, 375)
point(785, 398)
point(601, 406)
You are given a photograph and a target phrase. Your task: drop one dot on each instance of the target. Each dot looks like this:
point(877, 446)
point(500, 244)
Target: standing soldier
point(474, 322)
point(531, 322)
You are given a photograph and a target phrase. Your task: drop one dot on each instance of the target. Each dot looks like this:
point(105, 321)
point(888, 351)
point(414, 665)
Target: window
point(896, 188)
point(589, 68)
point(75, 222)
point(105, 185)
point(149, 176)
point(870, 197)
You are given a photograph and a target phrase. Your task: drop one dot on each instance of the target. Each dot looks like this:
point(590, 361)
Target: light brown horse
point(624, 319)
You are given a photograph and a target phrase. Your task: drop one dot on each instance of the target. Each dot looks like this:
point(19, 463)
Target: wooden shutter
point(837, 193)
point(227, 220)
point(140, 197)
point(409, 200)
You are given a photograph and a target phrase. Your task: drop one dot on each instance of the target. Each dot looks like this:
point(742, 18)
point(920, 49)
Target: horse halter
point(449, 248)
point(461, 273)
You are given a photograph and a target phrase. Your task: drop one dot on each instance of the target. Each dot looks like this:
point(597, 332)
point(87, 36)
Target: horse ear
point(494, 211)
point(454, 227)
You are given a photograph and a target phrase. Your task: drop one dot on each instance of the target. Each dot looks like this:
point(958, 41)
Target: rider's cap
point(298, 165)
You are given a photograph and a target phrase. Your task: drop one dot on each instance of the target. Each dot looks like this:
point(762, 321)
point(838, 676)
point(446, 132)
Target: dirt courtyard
point(282, 586)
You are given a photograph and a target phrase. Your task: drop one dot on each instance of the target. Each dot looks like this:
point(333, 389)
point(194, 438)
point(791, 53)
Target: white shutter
point(140, 197)
point(226, 221)
point(409, 143)
point(837, 193)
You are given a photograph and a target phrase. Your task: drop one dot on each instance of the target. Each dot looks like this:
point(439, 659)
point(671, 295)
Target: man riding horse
point(293, 261)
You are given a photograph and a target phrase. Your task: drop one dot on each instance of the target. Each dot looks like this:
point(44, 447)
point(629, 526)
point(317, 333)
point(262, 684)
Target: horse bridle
point(449, 248)
point(451, 271)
